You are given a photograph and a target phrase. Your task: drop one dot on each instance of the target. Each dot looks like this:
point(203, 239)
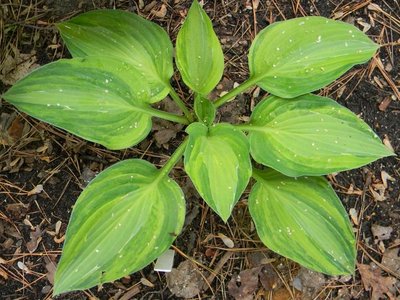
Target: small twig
point(51, 27)
point(387, 77)
point(133, 291)
point(216, 270)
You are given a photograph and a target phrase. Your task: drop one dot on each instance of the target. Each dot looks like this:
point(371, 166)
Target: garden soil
point(44, 169)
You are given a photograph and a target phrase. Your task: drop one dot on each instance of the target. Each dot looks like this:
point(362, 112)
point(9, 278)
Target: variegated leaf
point(98, 98)
point(127, 37)
point(205, 110)
point(217, 161)
point(199, 54)
point(311, 135)
point(303, 219)
point(301, 55)
point(126, 217)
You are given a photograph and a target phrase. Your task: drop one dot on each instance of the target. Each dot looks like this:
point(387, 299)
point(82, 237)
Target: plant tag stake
point(165, 261)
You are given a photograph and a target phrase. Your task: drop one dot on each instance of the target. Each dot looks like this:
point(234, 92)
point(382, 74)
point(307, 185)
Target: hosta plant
point(132, 211)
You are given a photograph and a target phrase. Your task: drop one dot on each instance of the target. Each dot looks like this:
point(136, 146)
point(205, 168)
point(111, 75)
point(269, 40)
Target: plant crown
point(122, 64)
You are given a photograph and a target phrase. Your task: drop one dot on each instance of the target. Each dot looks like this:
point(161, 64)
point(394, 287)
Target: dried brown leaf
point(391, 260)
point(373, 279)
point(51, 270)
point(268, 278)
point(259, 258)
point(366, 26)
point(248, 284)
point(381, 233)
point(9, 230)
point(374, 7)
point(36, 190)
point(385, 177)
point(16, 66)
point(163, 136)
point(12, 128)
point(17, 210)
point(165, 131)
point(227, 241)
point(285, 294)
point(378, 195)
point(36, 237)
point(387, 142)
point(16, 129)
point(185, 281)
point(27, 222)
point(8, 243)
point(354, 216)
point(352, 191)
point(150, 6)
point(161, 12)
point(309, 282)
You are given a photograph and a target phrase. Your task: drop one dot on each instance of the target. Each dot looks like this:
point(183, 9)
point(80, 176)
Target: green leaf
point(199, 56)
point(127, 37)
point(304, 220)
point(97, 98)
point(217, 161)
point(204, 109)
point(301, 55)
point(311, 135)
point(126, 217)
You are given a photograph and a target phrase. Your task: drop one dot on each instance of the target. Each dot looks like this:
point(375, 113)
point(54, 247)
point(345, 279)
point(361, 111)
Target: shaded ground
point(43, 169)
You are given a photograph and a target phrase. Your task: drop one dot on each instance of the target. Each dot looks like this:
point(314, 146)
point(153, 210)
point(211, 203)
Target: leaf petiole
point(236, 91)
point(173, 160)
point(180, 104)
point(167, 116)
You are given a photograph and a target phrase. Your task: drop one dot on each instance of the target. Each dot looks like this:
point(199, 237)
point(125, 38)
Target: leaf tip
point(61, 26)
point(3, 96)
point(58, 289)
point(224, 215)
point(62, 284)
point(224, 218)
point(351, 269)
point(387, 150)
point(195, 3)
